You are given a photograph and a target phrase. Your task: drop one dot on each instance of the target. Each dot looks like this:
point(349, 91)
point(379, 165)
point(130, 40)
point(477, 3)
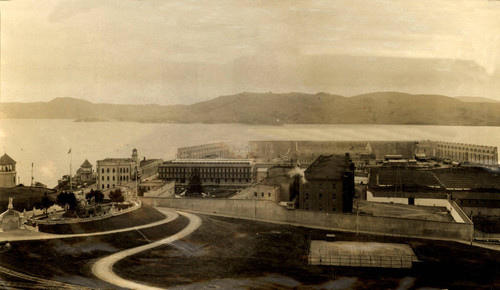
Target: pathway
point(103, 268)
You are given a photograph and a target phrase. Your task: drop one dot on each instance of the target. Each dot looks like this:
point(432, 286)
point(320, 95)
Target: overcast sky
point(169, 52)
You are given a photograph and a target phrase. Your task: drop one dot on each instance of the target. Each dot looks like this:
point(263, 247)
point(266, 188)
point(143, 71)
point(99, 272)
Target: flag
point(69, 150)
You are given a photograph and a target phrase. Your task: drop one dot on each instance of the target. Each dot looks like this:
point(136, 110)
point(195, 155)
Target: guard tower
point(7, 171)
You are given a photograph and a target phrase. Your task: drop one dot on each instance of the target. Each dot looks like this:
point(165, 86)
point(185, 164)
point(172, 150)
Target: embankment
point(268, 211)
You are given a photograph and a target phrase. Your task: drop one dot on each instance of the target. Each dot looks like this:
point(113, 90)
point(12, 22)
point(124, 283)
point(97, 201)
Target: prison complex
point(211, 171)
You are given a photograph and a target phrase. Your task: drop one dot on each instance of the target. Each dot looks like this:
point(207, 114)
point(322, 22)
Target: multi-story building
point(460, 152)
point(220, 150)
point(7, 171)
point(328, 185)
point(211, 171)
point(149, 167)
point(305, 152)
point(85, 174)
point(260, 192)
point(113, 172)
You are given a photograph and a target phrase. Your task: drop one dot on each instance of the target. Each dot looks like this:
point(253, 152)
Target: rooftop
point(210, 161)
point(148, 161)
point(117, 160)
point(86, 164)
point(329, 167)
point(6, 160)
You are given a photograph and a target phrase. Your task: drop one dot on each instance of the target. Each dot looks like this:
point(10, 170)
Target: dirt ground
point(405, 211)
point(232, 253)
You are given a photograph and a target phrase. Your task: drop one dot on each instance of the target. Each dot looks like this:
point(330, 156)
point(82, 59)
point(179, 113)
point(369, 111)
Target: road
point(50, 284)
point(103, 268)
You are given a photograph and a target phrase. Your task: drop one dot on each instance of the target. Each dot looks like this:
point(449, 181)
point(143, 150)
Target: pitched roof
point(6, 160)
point(327, 167)
point(86, 164)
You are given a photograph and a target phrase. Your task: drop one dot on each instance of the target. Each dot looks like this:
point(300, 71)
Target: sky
point(181, 52)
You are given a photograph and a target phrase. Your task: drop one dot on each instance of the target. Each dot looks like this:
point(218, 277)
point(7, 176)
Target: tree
point(116, 195)
point(194, 186)
point(96, 194)
point(46, 202)
point(67, 198)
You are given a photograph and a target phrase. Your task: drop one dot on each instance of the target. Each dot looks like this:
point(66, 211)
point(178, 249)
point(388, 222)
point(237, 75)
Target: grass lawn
point(141, 216)
point(25, 197)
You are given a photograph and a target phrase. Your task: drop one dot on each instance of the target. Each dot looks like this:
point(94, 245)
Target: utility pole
point(32, 178)
point(70, 171)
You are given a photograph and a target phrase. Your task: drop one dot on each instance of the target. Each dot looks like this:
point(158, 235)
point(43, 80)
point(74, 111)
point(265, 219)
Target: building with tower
point(113, 172)
point(85, 174)
point(7, 171)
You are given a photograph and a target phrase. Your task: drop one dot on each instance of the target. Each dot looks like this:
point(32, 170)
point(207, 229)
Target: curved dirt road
point(103, 269)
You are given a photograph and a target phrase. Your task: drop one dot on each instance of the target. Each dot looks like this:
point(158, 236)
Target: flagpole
point(70, 171)
point(32, 178)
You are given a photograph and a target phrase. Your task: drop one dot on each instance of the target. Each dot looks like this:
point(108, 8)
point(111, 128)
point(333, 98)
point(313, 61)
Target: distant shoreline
point(102, 120)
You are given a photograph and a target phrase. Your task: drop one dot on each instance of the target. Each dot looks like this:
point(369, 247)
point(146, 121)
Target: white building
point(113, 172)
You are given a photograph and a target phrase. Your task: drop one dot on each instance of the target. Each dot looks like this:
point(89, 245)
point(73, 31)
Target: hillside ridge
point(276, 109)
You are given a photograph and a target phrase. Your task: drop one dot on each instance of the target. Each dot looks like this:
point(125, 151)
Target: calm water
point(46, 142)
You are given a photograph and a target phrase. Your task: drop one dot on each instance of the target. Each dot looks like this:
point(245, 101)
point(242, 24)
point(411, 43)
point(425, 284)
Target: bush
point(67, 198)
point(96, 194)
point(116, 195)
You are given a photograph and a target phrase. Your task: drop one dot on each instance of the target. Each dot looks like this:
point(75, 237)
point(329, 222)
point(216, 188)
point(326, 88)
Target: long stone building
point(220, 150)
point(211, 171)
point(305, 152)
point(460, 152)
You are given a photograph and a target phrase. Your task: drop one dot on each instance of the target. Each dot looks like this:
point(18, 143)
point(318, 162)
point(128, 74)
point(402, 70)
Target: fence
point(400, 262)
point(137, 204)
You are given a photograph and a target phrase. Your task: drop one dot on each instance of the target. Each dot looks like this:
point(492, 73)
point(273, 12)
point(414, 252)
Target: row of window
point(465, 148)
point(121, 170)
point(213, 175)
point(216, 180)
point(121, 178)
point(209, 149)
point(204, 169)
point(320, 208)
point(320, 185)
point(320, 195)
point(6, 168)
point(262, 194)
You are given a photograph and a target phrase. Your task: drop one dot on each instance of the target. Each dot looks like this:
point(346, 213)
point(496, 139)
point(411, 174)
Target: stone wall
point(270, 212)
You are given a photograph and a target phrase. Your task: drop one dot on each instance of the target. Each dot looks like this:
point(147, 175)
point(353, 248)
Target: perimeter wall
point(268, 211)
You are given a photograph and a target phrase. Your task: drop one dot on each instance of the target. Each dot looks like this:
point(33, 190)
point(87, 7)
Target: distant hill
point(476, 100)
point(270, 108)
